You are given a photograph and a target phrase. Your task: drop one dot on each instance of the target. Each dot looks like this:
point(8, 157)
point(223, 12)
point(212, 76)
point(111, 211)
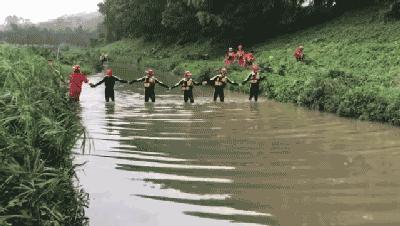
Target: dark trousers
point(219, 92)
point(149, 94)
point(188, 95)
point(109, 94)
point(254, 91)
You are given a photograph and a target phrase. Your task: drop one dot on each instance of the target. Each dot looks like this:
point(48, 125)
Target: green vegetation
point(352, 66)
point(38, 129)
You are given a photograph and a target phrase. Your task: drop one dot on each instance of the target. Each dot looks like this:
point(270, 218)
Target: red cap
point(109, 72)
point(150, 71)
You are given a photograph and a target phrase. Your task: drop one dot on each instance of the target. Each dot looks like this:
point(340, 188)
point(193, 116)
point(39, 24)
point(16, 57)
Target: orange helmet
point(76, 68)
point(109, 72)
point(188, 74)
point(224, 70)
point(150, 72)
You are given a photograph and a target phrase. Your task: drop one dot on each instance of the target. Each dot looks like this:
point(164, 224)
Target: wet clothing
point(109, 82)
point(299, 54)
point(220, 82)
point(187, 85)
point(75, 85)
point(240, 57)
point(254, 79)
point(230, 58)
point(149, 87)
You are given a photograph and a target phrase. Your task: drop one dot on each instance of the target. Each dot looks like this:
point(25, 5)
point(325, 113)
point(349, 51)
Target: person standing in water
point(109, 82)
point(149, 82)
point(187, 84)
point(220, 81)
point(254, 78)
point(76, 79)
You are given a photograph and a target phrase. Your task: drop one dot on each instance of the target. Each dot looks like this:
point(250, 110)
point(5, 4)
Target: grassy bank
point(352, 69)
point(38, 129)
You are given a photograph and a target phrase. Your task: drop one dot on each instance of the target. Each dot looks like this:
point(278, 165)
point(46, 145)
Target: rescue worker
point(75, 83)
point(299, 54)
point(240, 56)
point(109, 82)
point(254, 78)
point(219, 82)
point(149, 82)
point(187, 84)
point(230, 57)
point(249, 59)
point(103, 58)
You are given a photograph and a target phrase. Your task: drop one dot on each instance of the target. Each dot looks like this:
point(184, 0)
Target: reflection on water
point(235, 163)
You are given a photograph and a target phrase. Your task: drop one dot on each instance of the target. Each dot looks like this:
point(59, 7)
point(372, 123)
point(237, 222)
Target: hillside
point(352, 69)
point(88, 21)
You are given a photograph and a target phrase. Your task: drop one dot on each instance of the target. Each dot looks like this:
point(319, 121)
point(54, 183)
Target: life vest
point(187, 84)
point(255, 78)
point(220, 80)
point(149, 82)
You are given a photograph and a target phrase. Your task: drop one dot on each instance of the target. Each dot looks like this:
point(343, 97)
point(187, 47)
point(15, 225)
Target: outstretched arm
point(120, 80)
point(231, 82)
point(161, 83)
point(137, 80)
point(247, 79)
point(99, 83)
point(177, 84)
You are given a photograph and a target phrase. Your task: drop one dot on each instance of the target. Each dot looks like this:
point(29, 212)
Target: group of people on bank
point(187, 83)
point(244, 59)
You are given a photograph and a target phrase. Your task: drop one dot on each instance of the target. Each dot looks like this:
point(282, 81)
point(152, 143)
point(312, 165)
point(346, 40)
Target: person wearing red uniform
point(240, 56)
point(299, 54)
point(75, 83)
point(230, 57)
point(249, 59)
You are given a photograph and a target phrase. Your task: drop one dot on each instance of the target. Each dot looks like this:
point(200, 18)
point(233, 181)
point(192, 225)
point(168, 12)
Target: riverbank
point(352, 68)
point(38, 128)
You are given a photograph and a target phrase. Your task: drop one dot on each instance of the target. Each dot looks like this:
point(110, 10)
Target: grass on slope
point(352, 69)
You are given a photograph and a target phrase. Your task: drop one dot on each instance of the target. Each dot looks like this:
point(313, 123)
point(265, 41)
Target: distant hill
point(88, 21)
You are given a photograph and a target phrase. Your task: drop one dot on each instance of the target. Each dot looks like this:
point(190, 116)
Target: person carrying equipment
point(254, 78)
point(299, 54)
point(75, 83)
point(149, 82)
point(187, 84)
point(230, 57)
point(240, 56)
point(219, 82)
point(109, 82)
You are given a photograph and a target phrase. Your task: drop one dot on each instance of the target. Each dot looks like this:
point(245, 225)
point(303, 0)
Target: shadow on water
point(235, 163)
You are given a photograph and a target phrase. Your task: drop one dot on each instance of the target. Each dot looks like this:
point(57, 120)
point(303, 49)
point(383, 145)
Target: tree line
point(229, 20)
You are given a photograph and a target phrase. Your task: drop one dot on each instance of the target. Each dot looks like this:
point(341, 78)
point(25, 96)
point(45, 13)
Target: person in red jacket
point(75, 83)
point(249, 59)
point(299, 54)
point(230, 57)
point(240, 56)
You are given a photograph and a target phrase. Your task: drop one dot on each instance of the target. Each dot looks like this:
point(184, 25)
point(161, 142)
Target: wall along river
point(233, 163)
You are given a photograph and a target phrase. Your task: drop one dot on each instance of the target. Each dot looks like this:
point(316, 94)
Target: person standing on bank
point(187, 84)
point(220, 81)
point(149, 82)
point(109, 82)
point(254, 78)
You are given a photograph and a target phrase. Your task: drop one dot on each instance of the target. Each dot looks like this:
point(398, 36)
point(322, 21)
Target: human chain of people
point(187, 83)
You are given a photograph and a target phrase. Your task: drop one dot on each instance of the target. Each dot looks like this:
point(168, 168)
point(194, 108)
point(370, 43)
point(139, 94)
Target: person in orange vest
point(230, 57)
point(109, 82)
point(249, 59)
point(149, 82)
point(76, 79)
point(255, 79)
point(187, 84)
point(240, 53)
point(299, 54)
point(220, 81)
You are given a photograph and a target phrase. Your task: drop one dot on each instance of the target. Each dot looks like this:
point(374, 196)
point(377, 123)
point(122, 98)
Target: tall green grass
point(38, 129)
point(352, 68)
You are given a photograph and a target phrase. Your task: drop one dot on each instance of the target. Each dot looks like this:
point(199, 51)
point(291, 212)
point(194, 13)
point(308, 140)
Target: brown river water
point(233, 163)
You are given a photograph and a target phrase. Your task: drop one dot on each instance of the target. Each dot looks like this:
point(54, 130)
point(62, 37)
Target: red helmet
point(256, 68)
point(109, 72)
point(150, 72)
point(76, 68)
point(187, 74)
